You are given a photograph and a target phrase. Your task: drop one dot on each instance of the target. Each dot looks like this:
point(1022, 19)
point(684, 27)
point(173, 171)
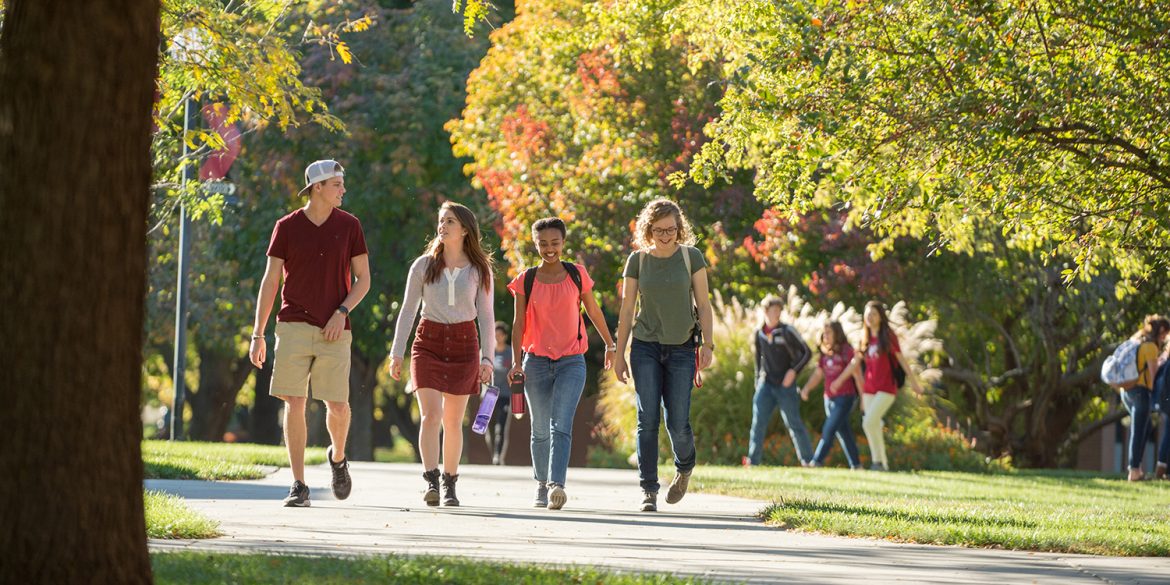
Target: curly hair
point(1152, 328)
point(654, 211)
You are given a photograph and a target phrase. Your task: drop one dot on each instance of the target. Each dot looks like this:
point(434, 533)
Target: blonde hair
point(654, 211)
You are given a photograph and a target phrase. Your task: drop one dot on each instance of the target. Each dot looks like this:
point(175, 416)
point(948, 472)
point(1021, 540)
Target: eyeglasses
point(670, 231)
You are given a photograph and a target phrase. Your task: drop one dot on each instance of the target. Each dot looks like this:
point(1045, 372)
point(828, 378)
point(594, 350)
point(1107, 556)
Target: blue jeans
point(837, 412)
point(768, 397)
point(1137, 401)
point(553, 388)
point(663, 375)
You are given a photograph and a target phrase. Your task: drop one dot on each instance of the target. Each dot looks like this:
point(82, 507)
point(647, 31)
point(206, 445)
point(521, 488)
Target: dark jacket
point(778, 352)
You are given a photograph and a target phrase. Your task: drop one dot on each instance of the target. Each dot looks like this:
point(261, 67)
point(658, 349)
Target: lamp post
point(186, 47)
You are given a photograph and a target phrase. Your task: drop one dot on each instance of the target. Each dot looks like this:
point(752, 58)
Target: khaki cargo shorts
point(302, 354)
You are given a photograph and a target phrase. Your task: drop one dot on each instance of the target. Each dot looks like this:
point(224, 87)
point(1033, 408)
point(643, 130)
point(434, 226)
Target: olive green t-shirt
point(666, 315)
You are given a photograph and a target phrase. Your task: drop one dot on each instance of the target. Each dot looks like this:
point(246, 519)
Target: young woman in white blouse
point(451, 355)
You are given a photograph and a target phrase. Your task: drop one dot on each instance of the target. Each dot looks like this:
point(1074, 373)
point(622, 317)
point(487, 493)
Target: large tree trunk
point(76, 88)
point(363, 380)
point(221, 375)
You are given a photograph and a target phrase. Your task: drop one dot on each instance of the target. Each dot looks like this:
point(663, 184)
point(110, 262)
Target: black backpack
point(574, 275)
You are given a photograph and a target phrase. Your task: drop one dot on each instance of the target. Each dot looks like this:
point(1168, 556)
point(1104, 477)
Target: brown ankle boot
point(431, 496)
point(449, 498)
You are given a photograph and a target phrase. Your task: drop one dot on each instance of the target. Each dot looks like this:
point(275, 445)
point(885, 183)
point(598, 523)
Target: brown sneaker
point(1160, 471)
point(678, 487)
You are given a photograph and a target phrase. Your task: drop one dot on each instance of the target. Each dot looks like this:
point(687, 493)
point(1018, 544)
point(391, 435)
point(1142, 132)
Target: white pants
point(875, 407)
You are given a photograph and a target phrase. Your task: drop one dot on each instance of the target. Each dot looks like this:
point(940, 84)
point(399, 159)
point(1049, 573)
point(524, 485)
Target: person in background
point(836, 354)
point(1138, 398)
point(879, 352)
point(780, 355)
point(497, 435)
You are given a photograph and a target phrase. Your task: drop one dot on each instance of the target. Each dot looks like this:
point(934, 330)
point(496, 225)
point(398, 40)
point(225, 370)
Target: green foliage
point(926, 116)
point(203, 568)
point(167, 516)
point(1027, 510)
point(557, 123)
point(216, 461)
point(246, 57)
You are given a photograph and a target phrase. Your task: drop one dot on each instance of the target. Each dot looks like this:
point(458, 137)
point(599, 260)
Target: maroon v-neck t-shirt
point(316, 264)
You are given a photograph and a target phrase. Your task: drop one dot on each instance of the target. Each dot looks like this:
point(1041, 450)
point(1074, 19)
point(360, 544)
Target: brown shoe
point(1160, 471)
point(678, 487)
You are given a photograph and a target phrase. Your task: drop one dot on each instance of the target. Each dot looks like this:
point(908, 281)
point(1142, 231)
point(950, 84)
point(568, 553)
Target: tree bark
point(78, 84)
point(221, 375)
point(362, 382)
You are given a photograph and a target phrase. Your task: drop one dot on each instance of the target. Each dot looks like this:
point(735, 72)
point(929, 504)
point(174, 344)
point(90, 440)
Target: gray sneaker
point(877, 467)
point(557, 497)
point(649, 501)
point(678, 487)
point(541, 499)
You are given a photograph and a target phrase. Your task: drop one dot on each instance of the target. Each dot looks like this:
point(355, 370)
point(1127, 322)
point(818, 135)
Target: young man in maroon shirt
point(320, 251)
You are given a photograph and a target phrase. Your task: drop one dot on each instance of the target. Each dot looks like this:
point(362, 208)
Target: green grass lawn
point(198, 568)
point(1027, 510)
point(167, 516)
point(216, 461)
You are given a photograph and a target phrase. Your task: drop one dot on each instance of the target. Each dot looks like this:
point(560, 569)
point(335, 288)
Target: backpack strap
point(529, 278)
point(575, 276)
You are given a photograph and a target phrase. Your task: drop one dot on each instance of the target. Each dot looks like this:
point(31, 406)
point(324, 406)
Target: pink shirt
point(879, 372)
point(552, 319)
point(832, 366)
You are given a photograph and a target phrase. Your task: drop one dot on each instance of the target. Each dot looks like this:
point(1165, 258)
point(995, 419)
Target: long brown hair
point(839, 339)
point(471, 245)
point(1152, 328)
point(883, 333)
point(654, 211)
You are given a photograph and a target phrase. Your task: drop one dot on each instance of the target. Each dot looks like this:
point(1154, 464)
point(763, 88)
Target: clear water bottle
point(516, 385)
point(487, 405)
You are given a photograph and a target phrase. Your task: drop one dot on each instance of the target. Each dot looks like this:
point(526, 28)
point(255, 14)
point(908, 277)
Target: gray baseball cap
point(319, 171)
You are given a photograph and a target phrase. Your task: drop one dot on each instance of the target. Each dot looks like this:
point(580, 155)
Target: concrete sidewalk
point(716, 537)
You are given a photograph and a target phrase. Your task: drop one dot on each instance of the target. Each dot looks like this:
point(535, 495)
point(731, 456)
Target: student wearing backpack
point(885, 368)
point(669, 277)
point(550, 331)
point(1137, 397)
point(780, 355)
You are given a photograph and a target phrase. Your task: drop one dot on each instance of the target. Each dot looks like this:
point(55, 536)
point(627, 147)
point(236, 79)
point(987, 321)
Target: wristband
point(255, 337)
point(344, 310)
point(610, 348)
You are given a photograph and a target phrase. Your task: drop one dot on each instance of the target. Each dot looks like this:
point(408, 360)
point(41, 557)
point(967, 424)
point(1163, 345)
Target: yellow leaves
point(344, 52)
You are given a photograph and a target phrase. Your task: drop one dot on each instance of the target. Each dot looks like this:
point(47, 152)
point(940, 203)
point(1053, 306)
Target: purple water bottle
point(486, 406)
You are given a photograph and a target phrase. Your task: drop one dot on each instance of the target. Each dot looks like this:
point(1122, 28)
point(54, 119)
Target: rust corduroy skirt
point(446, 357)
